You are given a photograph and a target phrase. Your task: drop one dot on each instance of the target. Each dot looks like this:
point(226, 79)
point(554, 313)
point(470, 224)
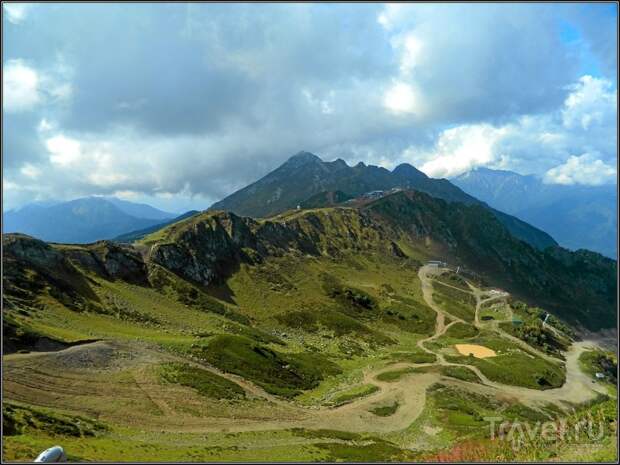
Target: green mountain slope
point(297, 337)
point(580, 287)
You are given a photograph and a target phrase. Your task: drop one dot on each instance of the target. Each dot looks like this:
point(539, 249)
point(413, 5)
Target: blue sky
point(179, 105)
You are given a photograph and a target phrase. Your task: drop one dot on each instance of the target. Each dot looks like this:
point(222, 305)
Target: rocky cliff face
point(25, 248)
point(212, 245)
point(110, 260)
point(208, 248)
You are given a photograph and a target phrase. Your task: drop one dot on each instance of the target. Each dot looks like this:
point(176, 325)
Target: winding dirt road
point(409, 391)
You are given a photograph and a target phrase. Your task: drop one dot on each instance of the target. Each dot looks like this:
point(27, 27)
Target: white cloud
point(400, 98)
point(63, 150)
point(30, 171)
point(592, 101)
point(20, 87)
point(24, 87)
point(462, 148)
point(45, 125)
point(411, 51)
point(541, 144)
point(16, 12)
point(390, 14)
point(585, 169)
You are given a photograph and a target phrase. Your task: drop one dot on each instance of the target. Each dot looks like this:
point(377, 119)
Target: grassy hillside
point(309, 336)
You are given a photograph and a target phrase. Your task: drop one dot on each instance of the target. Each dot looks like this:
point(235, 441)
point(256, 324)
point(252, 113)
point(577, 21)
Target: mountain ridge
point(469, 234)
point(305, 175)
point(576, 216)
point(82, 220)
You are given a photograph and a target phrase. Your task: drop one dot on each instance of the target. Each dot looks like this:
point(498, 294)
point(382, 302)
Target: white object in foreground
point(53, 454)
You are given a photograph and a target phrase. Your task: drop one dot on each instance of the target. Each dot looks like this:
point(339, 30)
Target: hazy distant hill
point(140, 210)
point(576, 216)
point(140, 233)
point(305, 175)
point(82, 220)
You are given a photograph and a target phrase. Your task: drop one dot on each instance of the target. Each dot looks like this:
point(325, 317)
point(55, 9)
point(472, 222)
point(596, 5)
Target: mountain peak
point(407, 170)
point(303, 157)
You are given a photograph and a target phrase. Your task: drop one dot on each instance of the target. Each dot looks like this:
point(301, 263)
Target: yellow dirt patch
point(475, 350)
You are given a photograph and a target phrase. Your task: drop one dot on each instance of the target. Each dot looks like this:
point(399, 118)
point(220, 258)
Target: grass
point(386, 410)
point(601, 446)
point(413, 357)
point(278, 373)
point(19, 419)
point(495, 311)
point(353, 393)
point(462, 411)
point(457, 303)
point(380, 451)
point(133, 445)
point(332, 320)
point(598, 361)
point(538, 336)
point(453, 279)
point(461, 331)
point(275, 323)
point(206, 383)
point(409, 315)
point(394, 375)
point(461, 373)
point(518, 369)
point(511, 365)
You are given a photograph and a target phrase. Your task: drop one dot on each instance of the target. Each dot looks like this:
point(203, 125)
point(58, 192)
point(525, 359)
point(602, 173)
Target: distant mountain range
point(136, 235)
point(82, 220)
point(576, 216)
point(304, 176)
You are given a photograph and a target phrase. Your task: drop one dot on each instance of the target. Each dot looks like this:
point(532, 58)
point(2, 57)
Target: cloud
point(532, 144)
point(584, 169)
point(30, 171)
point(16, 12)
point(592, 101)
point(462, 148)
point(463, 69)
point(63, 150)
point(24, 87)
point(110, 104)
point(400, 98)
point(20, 87)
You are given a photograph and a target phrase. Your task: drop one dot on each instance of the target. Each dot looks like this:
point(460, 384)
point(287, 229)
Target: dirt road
point(409, 391)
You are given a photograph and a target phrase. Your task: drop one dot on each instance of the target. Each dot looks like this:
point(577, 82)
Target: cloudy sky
point(179, 105)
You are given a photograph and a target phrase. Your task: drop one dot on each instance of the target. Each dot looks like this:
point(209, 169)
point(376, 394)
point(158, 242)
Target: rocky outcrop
point(213, 245)
point(110, 260)
point(29, 249)
point(207, 249)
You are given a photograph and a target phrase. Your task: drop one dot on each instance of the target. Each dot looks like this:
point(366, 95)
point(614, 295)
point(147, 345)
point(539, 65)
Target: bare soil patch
point(475, 350)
